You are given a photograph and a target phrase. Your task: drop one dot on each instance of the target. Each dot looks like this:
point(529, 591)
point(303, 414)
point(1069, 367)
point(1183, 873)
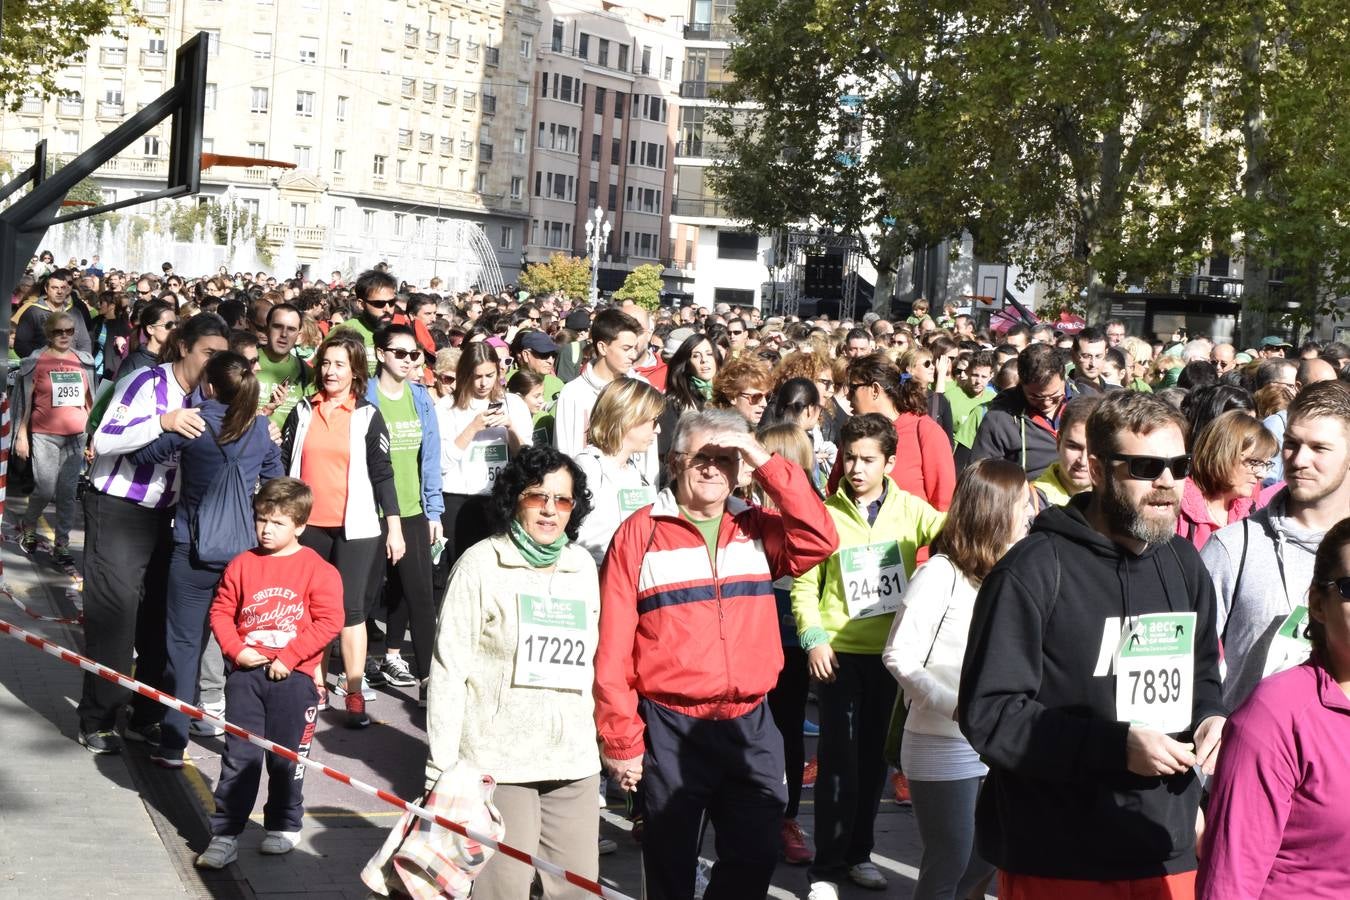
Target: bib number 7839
point(1155, 671)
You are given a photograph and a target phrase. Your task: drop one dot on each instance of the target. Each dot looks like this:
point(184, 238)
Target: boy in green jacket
point(843, 609)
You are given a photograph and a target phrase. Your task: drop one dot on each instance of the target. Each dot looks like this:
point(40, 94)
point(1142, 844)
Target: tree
point(40, 39)
point(1062, 136)
point(568, 275)
point(643, 286)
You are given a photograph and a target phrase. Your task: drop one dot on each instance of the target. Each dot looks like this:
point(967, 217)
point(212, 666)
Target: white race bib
point(492, 454)
point(67, 388)
point(1290, 647)
point(553, 649)
point(633, 499)
point(874, 579)
point(1155, 672)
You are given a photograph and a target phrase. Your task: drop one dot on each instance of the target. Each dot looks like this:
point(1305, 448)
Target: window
point(615, 152)
point(258, 103)
point(600, 100)
point(399, 219)
point(368, 221)
point(481, 184)
point(210, 96)
point(604, 52)
point(409, 87)
point(309, 50)
point(421, 173)
point(646, 67)
point(304, 104)
point(429, 91)
point(377, 167)
point(299, 214)
point(262, 46)
point(508, 239)
point(208, 146)
point(526, 46)
point(338, 212)
point(257, 149)
point(623, 57)
point(557, 35)
point(669, 71)
point(339, 157)
point(252, 207)
point(302, 156)
point(112, 93)
point(401, 170)
point(150, 145)
point(449, 95)
point(517, 186)
point(584, 46)
point(212, 41)
point(470, 100)
point(345, 56)
point(737, 245)
point(595, 148)
point(70, 142)
point(386, 62)
point(518, 142)
point(341, 112)
point(619, 100)
point(613, 204)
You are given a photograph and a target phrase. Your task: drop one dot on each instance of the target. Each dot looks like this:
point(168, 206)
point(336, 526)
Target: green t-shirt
point(405, 445)
point(967, 412)
point(270, 374)
point(368, 336)
point(542, 428)
point(708, 528)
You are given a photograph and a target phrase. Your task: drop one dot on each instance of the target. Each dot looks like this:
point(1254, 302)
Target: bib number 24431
point(874, 579)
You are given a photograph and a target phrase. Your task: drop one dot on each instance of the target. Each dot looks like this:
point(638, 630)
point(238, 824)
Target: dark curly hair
point(527, 470)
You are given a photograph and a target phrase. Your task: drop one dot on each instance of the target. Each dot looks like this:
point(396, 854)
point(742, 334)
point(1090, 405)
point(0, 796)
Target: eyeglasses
point(703, 460)
point(735, 332)
point(446, 379)
point(1342, 586)
point(167, 326)
point(1258, 466)
point(855, 386)
point(826, 383)
point(63, 332)
point(378, 304)
point(401, 354)
point(927, 364)
point(1148, 468)
point(754, 398)
point(540, 500)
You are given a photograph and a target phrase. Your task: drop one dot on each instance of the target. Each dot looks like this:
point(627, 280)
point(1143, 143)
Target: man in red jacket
point(689, 647)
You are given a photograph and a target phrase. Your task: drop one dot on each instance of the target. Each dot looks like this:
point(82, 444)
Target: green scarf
point(541, 556)
point(703, 387)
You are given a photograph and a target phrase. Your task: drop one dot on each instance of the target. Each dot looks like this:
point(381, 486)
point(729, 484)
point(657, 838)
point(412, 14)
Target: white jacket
point(572, 418)
point(937, 589)
point(462, 471)
point(616, 490)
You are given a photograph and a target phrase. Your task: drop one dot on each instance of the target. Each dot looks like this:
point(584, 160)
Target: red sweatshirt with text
point(285, 607)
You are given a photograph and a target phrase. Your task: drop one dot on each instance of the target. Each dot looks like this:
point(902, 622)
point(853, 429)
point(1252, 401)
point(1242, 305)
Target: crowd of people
point(1079, 598)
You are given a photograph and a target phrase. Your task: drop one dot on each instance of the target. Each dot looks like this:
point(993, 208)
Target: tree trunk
point(1098, 306)
point(890, 253)
point(1255, 271)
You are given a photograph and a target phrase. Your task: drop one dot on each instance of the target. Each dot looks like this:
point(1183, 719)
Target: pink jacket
point(1279, 826)
point(1194, 523)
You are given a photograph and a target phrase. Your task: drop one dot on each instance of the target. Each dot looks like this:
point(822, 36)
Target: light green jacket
point(818, 601)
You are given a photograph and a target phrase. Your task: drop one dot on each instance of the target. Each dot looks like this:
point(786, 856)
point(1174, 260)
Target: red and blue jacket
point(697, 637)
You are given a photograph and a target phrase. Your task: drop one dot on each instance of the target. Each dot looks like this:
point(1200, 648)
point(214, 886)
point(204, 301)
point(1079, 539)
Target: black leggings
point(465, 522)
point(787, 703)
point(407, 593)
point(353, 560)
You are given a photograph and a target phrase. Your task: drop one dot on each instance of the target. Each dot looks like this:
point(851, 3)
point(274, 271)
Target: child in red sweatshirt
point(276, 609)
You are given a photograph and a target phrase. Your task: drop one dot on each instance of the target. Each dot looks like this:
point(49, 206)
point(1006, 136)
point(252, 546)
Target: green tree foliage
point(40, 39)
point(569, 275)
point(643, 286)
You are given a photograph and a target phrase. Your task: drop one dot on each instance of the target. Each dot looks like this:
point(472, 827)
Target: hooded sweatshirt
point(1037, 702)
point(1010, 431)
point(1275, 579)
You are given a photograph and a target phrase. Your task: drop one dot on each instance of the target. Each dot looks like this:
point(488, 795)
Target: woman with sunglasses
point(155, 326)
point(923, 367)
point(512, 673)
point(1228, 460)
point(53, 393)
point(415, 453)
point(482, 428)
point(743, 384)
point(1278, 826)
point(444, 369)
point(336, 442)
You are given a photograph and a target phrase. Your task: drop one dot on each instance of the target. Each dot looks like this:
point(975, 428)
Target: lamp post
point(597, 236)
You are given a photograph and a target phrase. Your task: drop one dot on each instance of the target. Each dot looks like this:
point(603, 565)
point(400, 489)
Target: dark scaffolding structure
point(820, 270)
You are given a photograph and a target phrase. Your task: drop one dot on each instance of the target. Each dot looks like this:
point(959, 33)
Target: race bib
point(67, 388)
point(1155, 672)
point(552, 645)
point(874, 579)
point(633, 499)
point(493, 455)
point(1290, 647)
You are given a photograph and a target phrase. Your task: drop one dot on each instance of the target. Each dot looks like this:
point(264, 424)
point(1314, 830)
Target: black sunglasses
point(1148, 468)
point(56, 332)
point(378, 304)
point(1342, 586)
point(400, 353)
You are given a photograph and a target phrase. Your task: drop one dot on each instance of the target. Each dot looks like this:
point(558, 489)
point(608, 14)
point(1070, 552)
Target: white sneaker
point(823, 890)
point(366, 690)
point(218, 854)
point(866, 874)
point(278, 842)
point(206, 729)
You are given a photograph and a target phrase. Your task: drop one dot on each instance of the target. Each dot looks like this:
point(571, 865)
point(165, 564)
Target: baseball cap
point(537, 342)
point(578, 320)
point(675, 339)
point(1274, 340)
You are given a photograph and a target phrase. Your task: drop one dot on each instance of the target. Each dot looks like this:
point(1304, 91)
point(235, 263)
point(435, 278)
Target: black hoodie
point(1059, 801)
point(1011, 431)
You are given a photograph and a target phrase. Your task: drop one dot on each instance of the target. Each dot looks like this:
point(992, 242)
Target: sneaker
point(323, 697)
point(823, 890)
point(356, 711)
point(374, 676)
point(423, 690)
point(218, 854)
point(142, 734)
point(278, 842)
point(809, 772)
point(396, 672)
point(206, 729)
point(866, 874)
point(795, 850)
point(607, 846)
point(28, 541)
point(901, 785)
point(167, 759)
point(810, 729)
point(61, 556)
point(100, 742)
point(340, 689)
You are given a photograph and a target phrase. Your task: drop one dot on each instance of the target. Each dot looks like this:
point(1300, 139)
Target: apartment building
point(403, 118)
point(603, 135)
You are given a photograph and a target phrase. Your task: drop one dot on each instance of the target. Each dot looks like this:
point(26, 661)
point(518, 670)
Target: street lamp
point(597, 236)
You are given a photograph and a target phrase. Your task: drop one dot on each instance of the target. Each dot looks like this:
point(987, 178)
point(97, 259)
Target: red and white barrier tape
point(23, 607)
point(102, 671)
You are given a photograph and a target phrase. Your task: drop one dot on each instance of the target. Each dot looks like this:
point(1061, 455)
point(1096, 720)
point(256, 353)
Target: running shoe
point(340, 689)
point(810, 729)
point(867, 875)
point(356, 711)
point(607, 846)
point(809, 773)
point(167, 759)
point(142, 734)
point(795, 850)
point(218, 854)
point(28, 541)
point(101, 742)
point(206, 729)
point(823, 890)
point(395, 671)
point(61, 556)
point(277, 843)
point(901, 785)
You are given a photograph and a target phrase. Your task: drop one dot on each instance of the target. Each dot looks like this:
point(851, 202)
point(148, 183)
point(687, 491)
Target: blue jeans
point(187, 624)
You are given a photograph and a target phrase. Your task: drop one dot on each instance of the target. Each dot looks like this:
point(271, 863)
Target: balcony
point(107, 110)
point(68, 106)
point(700, 148)
point(705, 31)
point(700, 90)
point(404, 138)
point(492, 56)
point(32, 106)
point(471, 51)
point(485, 153)
point(136, 166)
point(112, 56)
point(698, 208)
point(410, 37)
point(489, 105)
point(307, 236)
point(152, 59)
point(452, 46)
point(431, 42)
point(155, 7)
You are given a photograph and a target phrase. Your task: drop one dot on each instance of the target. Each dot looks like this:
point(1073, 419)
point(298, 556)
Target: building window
point(309, 50)
point(150, 145)
point(377, 168)
point(338, 212)
point(646, 61)
point(212, 41)
point(398, 224)
point(615, 151)
point(210, 96)
point(604, 53)
point(669, 71)
point(600, 100)
point(623, 57)
point(737, 245)
point(304, 104)
point(557, 35)
point(482, 184)
point(518, 142)
point(257, 149)
point(508, 241)
point(368, 221)
point(526, 46)
point(429, 91)
point(341, 112)
point(302, 156)
point(584, 46)
point(339, 157)
point(613, 205)
point(517, 186)
point(299, 214)
point(345, 56)
point(262, 46)
point(259, 100)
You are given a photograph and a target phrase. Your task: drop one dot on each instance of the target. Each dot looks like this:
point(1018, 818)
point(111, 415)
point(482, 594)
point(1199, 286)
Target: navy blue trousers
point(187, 625)
point(730, 770)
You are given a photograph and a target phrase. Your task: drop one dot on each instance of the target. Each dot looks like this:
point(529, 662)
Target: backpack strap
point(1242, 560)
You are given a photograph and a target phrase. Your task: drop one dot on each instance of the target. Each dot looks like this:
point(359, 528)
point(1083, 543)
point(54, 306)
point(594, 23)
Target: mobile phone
point(495, 406)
